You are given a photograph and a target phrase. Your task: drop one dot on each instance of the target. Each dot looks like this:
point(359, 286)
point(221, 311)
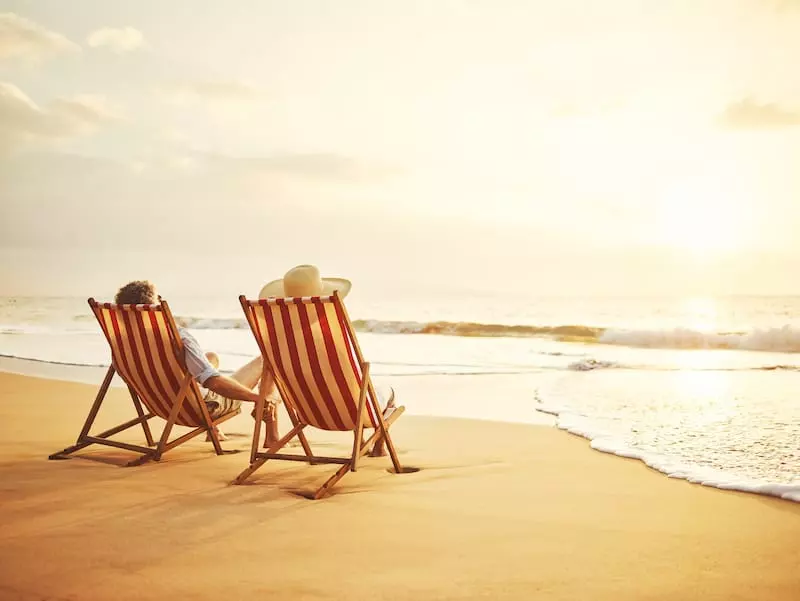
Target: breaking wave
point(449, 328)
point(212, 323)
point(782, 339)
point(444, 328)
point(785, 339)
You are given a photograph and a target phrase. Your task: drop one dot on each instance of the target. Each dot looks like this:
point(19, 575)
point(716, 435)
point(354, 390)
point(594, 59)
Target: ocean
point(704, 389)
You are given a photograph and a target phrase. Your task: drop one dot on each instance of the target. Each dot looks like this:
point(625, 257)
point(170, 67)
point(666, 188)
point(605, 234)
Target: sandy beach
point(497, 511)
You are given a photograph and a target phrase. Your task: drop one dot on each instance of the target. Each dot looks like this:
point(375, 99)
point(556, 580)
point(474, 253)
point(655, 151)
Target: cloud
point(206, 91)
point(22, 120)
point(119, 40)
point(20, 37)
point(749, 114)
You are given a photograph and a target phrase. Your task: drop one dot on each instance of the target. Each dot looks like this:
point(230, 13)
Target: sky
point(575, 147)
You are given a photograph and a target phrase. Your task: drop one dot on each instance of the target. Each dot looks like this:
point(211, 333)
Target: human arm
point(230, 388)
point(206, 374)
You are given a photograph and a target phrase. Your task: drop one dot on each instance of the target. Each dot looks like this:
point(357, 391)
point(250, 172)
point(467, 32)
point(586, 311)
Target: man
point(224, 393)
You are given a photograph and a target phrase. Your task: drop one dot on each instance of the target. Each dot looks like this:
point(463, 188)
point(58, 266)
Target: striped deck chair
point(147, 353)
point(310, 347)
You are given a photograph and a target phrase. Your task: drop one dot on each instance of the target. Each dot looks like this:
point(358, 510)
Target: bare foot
point(379, 449)
point(220, 435)
point(271, 436)
point(270, 420)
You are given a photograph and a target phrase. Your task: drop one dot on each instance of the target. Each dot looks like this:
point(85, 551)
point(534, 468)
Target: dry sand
point(497, 511)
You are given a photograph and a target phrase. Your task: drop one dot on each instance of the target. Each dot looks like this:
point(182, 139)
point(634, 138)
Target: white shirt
point(196, 361)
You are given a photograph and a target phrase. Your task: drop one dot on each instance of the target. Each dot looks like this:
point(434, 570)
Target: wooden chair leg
point(358, 438)
point(382, 432)
point(258, 416)
point(300, 434)
point(259, 461)
point(173, 415)
point(330, 482)
point(148, 435)
point(210, 428)
point(140, 460)
point(87, 425)
point(98, 400)
point(306, 447)
point(393, 453)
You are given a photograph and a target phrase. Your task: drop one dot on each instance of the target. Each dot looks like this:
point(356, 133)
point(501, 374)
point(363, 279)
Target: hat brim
point(329, 286)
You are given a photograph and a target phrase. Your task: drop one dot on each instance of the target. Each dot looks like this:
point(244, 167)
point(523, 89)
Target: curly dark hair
point(138, 292)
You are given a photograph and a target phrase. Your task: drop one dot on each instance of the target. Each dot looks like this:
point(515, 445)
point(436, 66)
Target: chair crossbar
point(116, 443)
point(304, 458)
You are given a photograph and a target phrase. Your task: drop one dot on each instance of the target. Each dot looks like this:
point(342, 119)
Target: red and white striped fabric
point(316, 364)
point(144, 351)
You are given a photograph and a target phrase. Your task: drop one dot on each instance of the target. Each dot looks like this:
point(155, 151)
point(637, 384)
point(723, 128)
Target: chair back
point(147, 353)
point(310, 346)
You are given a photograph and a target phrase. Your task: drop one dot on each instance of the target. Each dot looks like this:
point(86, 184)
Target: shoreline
point(669, 467)
point(497, 510)
point(543, 415)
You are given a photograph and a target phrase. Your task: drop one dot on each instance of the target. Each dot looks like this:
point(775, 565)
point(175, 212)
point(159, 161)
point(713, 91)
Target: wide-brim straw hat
point(305, 280)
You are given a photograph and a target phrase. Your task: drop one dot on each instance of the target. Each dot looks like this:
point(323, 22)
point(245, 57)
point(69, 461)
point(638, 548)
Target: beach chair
point(147, 353)
point(309, 345)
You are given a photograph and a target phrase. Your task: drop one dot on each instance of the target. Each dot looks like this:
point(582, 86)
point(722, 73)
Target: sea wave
point(443, 328)
point(784, 339)
point(461, 328)
point(591, 364)
point(778, 339)
point(212, 323)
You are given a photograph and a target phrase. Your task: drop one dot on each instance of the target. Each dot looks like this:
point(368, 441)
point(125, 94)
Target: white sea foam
point(778, 339)
point(783, 339)
point(585, 427)
point(211, 323)
point(591, 364)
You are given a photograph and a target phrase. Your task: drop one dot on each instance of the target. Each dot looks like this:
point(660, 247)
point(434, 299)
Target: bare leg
point(271, 420)
point(266, 387)
point(379, 448)
point(248, 375)
point(213, 359)
point(254, 373)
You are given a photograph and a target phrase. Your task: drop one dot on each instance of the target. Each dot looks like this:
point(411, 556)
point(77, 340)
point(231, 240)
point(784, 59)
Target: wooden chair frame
point(154, 450)
point(360, 446)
